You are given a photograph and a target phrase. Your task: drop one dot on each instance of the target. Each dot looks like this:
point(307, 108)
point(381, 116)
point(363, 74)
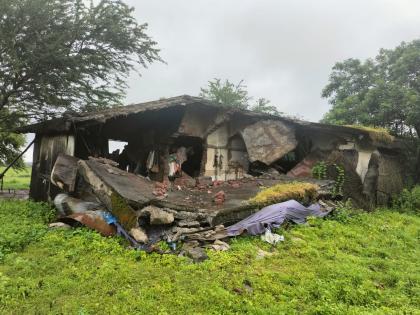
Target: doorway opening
point(193, 154)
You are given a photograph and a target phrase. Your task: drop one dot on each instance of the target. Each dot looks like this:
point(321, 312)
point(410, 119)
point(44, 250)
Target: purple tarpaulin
point(273, 216)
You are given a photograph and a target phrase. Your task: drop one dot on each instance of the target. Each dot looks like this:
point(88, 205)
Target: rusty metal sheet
point(93, 220)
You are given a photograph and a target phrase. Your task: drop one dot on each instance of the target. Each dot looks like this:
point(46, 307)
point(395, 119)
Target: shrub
point(323, 170)
point(319, 171)
point(408, 201)
point(344, 211)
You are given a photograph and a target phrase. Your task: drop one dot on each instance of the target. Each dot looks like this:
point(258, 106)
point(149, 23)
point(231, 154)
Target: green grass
point(363, 264)
point(17, 179)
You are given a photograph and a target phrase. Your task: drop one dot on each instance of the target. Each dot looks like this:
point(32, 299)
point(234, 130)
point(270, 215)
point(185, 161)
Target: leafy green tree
point(263, 106)
point(58, 55)
point(384, 91)
point(235, 95)
point(226, 93)
point(9, 147)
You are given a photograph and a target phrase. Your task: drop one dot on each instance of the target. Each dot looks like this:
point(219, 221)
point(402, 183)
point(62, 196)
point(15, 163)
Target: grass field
point(367, 263)
point(17, 179)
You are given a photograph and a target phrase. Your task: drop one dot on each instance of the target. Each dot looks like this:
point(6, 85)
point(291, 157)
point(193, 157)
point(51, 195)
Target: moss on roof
point(282, 192)
point(377, 134)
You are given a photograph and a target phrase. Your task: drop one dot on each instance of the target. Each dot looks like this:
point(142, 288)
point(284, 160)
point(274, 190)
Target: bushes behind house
point(408, 201)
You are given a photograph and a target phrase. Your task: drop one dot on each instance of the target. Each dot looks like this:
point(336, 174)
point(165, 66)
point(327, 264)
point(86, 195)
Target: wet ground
point(14, 194)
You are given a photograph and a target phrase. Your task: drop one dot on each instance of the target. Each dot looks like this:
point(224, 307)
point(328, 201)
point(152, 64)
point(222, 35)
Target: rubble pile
point(97, 194)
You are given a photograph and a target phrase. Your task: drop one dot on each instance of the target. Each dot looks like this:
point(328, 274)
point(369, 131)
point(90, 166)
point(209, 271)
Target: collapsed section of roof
point(268, 140)
point(183, 138)
point(187, 165)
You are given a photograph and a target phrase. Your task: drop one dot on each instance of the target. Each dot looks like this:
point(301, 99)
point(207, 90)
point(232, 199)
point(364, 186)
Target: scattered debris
point(160, 190)
point(219, 197)
point(179, 231)
point(216, 233)
point(262, 254)
point(272, 238)
point(246, 288)
point(190, 224)
point(139, 234)
point(112, 221)
point(59, 225)
point(157, 215)
point(67, 205)
point(204, 181)
point(185, 181)
point(219, 245)
point(235, 185)
point(193, 251)
point(127, 199)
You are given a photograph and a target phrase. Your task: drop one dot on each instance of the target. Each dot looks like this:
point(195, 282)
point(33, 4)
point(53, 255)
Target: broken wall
point(46, 150)
point(391, 177)
point(367, 181)
point(216, 164)
point(234, 144)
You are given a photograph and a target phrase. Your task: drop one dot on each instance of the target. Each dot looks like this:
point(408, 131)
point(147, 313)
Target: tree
point(235, 95)
point(9, 147)
point(58, 55)
point(263, 106)
point(226, 93)
point(384, 91)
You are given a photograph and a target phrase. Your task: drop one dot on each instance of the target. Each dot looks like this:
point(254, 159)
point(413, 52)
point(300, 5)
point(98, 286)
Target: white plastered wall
point(218, 145)
point(363, 163)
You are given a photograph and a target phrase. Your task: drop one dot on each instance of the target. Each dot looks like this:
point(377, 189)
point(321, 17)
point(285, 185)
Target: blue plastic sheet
point(273, 216)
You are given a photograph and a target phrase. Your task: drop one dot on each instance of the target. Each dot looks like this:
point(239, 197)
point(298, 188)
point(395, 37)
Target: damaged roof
point(66, 122)
point(70, 120)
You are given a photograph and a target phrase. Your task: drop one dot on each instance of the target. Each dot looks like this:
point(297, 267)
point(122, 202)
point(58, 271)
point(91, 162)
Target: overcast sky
point(283, 50)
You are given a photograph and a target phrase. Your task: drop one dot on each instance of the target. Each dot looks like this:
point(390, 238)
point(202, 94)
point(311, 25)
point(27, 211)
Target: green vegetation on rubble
point(304, 192)
point(351, 263)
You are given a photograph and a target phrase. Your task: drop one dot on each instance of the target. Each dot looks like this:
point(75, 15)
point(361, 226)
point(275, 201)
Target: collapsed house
point(191, 142)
